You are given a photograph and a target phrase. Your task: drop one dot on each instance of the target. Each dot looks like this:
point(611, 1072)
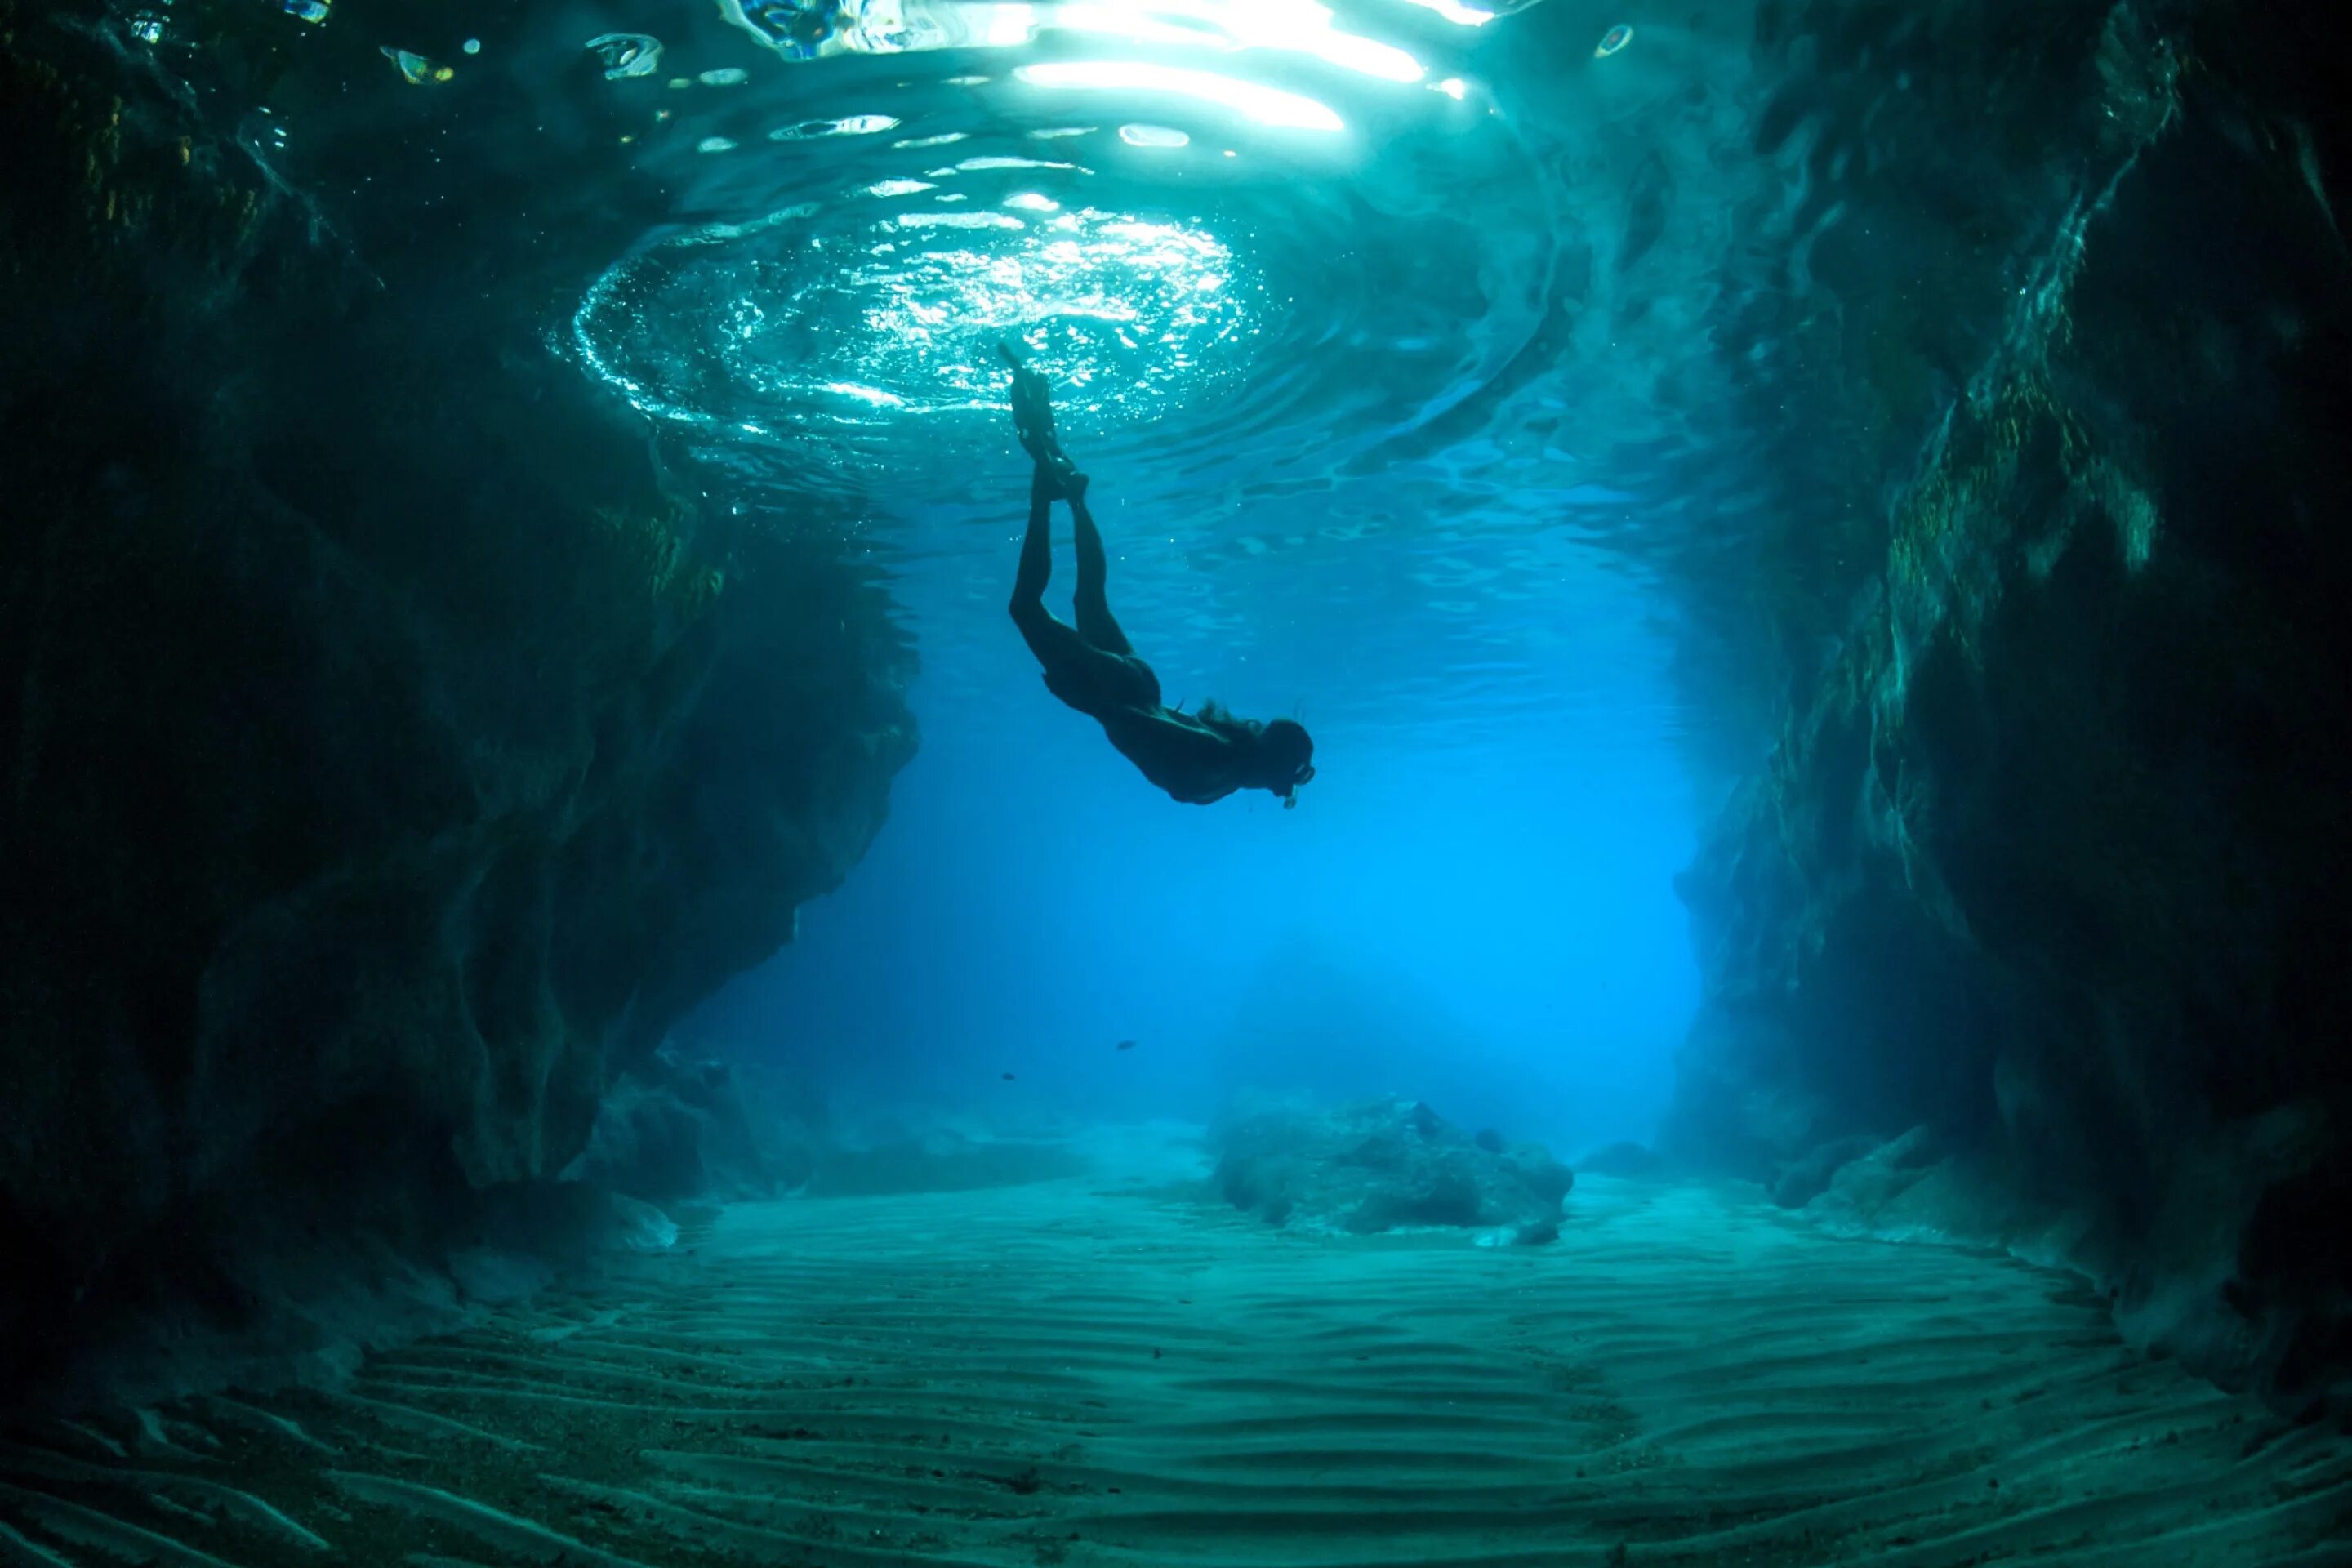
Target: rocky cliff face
point(390, 750)
point(2053, 860)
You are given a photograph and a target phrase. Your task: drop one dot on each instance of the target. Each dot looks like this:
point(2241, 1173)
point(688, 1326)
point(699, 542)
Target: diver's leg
point(1057, 645)
point(1036, 546)
point(1033, 422)
point(1032, 417)
point(1095, 622)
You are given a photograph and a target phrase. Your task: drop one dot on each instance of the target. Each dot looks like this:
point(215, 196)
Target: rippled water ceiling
point(1342, 288)
point(899, 26)
point(875, 285)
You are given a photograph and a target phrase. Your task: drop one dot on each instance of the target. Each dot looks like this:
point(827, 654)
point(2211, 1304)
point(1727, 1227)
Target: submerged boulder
point(1386, 1164)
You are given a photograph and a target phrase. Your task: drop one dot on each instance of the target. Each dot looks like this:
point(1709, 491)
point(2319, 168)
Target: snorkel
point(1290, 790)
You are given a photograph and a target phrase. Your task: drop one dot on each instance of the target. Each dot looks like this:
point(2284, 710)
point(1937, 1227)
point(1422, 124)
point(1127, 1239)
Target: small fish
point(1008, 1078)
point(1127, 1045)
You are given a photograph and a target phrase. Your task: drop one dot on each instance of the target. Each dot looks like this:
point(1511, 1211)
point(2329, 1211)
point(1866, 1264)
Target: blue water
point(1372, 415)
point(1485, 925)
point(1392, 334)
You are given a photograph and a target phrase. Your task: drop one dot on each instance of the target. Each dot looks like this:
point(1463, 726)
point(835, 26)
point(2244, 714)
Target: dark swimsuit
point(1097, 680)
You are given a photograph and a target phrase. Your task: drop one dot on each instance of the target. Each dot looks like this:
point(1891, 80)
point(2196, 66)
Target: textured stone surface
point(390, 751)
point(677, 1127)
point(1386, 1164)
point(2051, 861)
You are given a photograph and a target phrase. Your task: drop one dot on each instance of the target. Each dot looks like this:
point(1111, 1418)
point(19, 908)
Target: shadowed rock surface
point(1385, 1164)
point(392, 754)
point(2050, 859)
point(677, 1126)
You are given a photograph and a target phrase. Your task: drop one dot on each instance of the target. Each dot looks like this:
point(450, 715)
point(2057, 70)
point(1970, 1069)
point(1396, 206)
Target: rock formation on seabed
point(1386, 1164)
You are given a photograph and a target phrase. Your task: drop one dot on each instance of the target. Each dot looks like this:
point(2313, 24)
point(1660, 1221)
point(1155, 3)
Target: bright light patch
point(1265, 105)
point(1366, 58)
point(930, 141)
point(814, 29)
point(1294, 27)
point(874, 395)
point(714, 144)
point(1153, 136)
point(1452, 87)
point(1032, 201)
point(855, 125)
point(1003, 27)
point(887, 188)
point(957, 220)
point(1134, 24)
point(1460, 15)
point(1002, 160)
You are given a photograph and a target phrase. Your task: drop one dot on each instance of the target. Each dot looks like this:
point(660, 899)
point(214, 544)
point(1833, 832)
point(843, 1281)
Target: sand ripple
point(1049, 1376)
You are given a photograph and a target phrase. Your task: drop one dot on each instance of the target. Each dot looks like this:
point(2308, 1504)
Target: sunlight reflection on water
point(1338, 305)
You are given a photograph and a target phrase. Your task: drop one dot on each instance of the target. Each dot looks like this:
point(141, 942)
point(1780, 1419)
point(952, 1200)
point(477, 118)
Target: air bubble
point(855, 125)
point(626, 55)
point(413, 65)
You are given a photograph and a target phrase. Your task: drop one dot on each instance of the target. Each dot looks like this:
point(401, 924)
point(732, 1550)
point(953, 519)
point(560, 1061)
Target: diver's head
point(1285, 757)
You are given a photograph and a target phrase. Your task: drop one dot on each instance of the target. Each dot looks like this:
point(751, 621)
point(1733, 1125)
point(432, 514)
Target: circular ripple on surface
point(1232, 305)
point(883, 305)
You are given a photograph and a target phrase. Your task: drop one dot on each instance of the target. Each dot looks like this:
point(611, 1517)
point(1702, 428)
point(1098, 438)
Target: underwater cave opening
point(570, 994)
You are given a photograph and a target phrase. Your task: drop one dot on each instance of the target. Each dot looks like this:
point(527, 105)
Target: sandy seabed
point(1069, 1374)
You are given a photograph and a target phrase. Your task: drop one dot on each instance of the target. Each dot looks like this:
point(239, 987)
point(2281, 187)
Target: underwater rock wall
point(2052, 863)
point(390, 751)
point(674, 1127)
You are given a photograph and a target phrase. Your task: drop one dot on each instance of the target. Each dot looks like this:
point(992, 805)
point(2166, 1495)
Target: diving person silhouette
point(1197, 758)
